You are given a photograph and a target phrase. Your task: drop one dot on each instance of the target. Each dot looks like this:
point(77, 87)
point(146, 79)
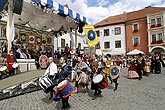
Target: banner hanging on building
point(31, 39)
point(38, 40)
point(44, 41)
point(91, 35)
point(23, 37)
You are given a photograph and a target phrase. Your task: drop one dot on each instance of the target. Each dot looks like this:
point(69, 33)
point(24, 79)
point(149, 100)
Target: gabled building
point(111, 32)
point(125, 32)
point(156, 32)
point(136, 29)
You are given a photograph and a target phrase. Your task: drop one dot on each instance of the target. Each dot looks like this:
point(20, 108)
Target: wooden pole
point(9, 26)
point(75, 38)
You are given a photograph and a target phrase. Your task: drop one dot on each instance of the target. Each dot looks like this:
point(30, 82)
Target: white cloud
point(99, 12)
point(102, 2)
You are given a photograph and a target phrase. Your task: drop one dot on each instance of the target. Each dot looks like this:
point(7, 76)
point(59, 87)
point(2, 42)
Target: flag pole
point(9, 24)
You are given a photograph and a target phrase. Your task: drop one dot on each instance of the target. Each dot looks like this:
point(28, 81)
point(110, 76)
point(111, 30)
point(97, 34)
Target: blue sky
point(97, 10)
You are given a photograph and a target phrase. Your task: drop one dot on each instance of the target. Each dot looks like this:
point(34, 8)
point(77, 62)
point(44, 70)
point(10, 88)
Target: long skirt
point(132, 74)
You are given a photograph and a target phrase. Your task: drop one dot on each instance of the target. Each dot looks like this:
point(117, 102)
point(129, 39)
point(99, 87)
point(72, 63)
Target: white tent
point(135, 52)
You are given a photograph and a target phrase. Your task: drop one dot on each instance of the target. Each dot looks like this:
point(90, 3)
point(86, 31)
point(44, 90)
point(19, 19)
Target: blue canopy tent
point(47, 15)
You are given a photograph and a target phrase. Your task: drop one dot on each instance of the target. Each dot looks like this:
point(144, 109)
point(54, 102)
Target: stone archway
point(158, 49)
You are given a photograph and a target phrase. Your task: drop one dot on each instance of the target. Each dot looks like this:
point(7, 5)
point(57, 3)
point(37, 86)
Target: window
point(117, 30)
point(117, 44)
point(136, 40)
point(153, 38)
point(97, 46)
point(157, 38)
point(98, 33)
point(159, 20)
point(135, 27)
point(106, 32)
point(153, 22)
point(62, 43)
point(160, 36)
point(106, 45)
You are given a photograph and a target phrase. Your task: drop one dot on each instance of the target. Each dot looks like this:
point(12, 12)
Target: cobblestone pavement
point(132, 94)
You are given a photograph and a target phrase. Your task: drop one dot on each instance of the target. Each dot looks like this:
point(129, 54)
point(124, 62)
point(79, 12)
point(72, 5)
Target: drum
point(4, 69)
point(46, 84)
point(65, 89)
point(102, 82)
point(15, 65)
point(98, 78)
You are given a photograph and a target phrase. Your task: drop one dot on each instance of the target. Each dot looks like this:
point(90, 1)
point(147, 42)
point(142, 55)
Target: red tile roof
point(122, 18)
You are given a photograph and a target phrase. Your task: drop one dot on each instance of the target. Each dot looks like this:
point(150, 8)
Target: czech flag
point(91, 35)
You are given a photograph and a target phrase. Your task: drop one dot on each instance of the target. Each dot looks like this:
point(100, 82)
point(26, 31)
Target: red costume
point(9, 61)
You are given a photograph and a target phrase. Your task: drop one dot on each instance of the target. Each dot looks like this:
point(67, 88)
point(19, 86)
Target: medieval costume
point(82, 76)
point(10, 60)
point(140, 65)
point(132, 70)
point(147, 67)
point(94, 67)
point(158, 62)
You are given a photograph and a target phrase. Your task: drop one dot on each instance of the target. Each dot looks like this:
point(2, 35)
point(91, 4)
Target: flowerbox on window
point(159, 41)
point(152, 26)
point(153, 42)
point(135, 30)
point(136, 44)
point(158, 25)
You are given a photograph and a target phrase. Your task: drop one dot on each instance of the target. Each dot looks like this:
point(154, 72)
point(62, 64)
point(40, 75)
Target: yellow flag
point(44, 41)
point(91, 35)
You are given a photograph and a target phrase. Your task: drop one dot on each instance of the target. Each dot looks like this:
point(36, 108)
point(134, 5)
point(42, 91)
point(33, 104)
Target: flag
point(23, 37)
point(44, 41)
point(31, 39)
point(71, 37)
point(38, 40)
point(12, 29)
point(91, 35)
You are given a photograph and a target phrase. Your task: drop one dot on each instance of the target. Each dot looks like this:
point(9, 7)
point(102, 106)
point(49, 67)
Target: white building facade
point(112, 40)
point(61, 41)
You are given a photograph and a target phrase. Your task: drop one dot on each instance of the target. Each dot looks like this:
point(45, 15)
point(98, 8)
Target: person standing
point(51, 71)
point(67, 50)
point(140, 65)
point(10, 60)
point(94, 68)
point(63, 75)
point(158, 61)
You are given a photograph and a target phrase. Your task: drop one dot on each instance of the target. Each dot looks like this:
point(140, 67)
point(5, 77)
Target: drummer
point(62, 75)
point(79, 68)
point(94, 67)
point(51, 71)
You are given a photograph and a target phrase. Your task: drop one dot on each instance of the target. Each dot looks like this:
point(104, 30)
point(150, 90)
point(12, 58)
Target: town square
point(82, 54)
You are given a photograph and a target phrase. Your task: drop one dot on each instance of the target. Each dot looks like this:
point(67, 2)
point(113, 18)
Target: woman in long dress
point(132, 71)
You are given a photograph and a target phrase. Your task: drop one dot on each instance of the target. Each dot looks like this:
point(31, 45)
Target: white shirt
point(52, 69)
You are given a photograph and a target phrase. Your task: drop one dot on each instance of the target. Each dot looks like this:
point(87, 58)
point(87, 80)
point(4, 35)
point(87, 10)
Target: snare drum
point(101, 81)
point(15, 65)
point(65, 89)
point(4, 69)
point(46, 84)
